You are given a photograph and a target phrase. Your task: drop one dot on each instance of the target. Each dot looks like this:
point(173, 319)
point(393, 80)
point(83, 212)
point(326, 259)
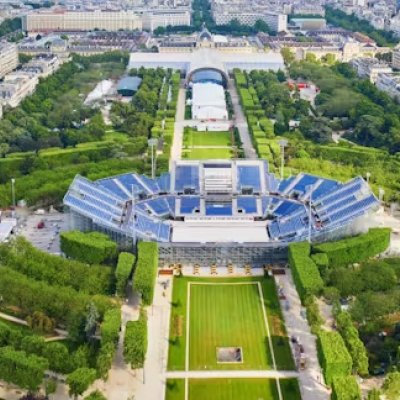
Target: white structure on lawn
point(208, 102)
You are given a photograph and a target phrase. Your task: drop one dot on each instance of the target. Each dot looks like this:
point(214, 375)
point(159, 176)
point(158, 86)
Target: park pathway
point(241, 122)
point(297, 325)
point(177, 142)
point(267, 374)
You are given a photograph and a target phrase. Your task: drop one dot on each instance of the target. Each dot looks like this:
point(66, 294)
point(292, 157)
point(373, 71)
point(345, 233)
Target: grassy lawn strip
point(175, 389)
point(233, 389)
point(203, 154)
point(193, 139)
point(225, 311)
point(224, 315)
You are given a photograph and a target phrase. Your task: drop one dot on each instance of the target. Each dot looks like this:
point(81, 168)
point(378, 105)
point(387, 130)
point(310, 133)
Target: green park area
point(233, 389)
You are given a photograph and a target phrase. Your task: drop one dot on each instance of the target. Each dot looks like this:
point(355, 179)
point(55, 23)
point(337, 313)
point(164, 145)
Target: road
point(241, 122)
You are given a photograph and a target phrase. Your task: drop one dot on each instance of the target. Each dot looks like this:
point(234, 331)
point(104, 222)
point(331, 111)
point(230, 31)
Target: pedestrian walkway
point(241, 122)
point(297, 326)
point(176, 149)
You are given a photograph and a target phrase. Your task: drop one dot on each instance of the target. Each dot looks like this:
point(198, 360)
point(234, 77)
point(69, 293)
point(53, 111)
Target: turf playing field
point(226, 315)
point(233, 389)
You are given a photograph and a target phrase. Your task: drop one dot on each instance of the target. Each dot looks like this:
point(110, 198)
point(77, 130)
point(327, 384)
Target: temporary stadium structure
point(208, 101)
point(219, 211)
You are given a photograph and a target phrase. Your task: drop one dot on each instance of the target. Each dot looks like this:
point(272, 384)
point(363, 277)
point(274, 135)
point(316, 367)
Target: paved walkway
point(177, 142)
point(270, 374)
point(296, 325)
point(241, 122)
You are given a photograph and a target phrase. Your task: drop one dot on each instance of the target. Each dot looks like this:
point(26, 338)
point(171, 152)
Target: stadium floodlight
point(368, 175)
point(282, 143)
point(13, 191)
point(381, 193)
point(152, 143)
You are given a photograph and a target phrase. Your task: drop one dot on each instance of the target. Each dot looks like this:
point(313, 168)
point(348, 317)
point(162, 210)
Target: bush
point(22, 257)
point(80, 379)
point(305, 273)
point(96, 395)
point(91, 248)
point(353, 342)
point(345, 388)
point(135, 343)
point(333, 356)
point(110, 326)
point(313, 315)
point(123, 271)
point(146, 270)
point(26, 371)
point(355, 249)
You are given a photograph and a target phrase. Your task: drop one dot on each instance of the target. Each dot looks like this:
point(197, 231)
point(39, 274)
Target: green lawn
point(202, 154)
point(194, 138)
point(233, 389)
point(227, 315)
point(175, 389)
point(244, 308)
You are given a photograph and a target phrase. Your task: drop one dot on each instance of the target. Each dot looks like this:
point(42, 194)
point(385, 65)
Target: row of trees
point(123, 272)
point(88, 247)
point(19, 255)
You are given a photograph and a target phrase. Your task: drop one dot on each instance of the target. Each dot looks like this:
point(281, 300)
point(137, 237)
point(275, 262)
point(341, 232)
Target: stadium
point(220, 212)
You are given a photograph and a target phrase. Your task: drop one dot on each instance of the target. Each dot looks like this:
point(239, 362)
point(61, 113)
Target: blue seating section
point(287, 207)
point(218, 209)
point(112, 186)
point(187, 177)
point(108, 201)
point(189, 205)
point(247, 204)
point(302, 185)
point(249, 177)
point(164, 182)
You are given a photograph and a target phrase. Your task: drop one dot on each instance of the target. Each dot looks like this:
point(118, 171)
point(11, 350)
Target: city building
point(389, 83)
point(396, 58)
point(8, 58)
point(307, 24)
point(63, 20)
point(370, 68)
point(43, 65)
point(16, 87)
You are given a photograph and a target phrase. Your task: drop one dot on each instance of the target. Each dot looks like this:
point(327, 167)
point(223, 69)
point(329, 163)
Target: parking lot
point(43, 230)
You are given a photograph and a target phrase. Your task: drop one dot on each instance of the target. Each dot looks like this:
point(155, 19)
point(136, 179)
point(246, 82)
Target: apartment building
point(16, 87)
point(276, 21)
point(370, 68)
point(8, 58)
point(396, 58)
point(389, 83)
point(43, 65)
point(154, 19)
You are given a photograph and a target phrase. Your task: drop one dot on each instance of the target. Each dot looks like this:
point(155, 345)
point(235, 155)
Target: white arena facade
point(220, 212)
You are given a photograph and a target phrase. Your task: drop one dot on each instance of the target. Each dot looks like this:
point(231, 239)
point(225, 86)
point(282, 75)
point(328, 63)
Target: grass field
point(227, 315)
point(194, 138)
point(197, 153)
point(233, 389)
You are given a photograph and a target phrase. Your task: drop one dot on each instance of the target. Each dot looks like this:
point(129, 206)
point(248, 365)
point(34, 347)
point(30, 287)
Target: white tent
point(208, 102)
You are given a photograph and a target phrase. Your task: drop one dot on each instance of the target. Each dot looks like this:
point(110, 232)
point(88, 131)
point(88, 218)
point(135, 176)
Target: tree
point(96, 395)
point(288, 56)
point(50, 387)
point(391, 386)
point(79, 380)
point(4, 149)
point(92, 316)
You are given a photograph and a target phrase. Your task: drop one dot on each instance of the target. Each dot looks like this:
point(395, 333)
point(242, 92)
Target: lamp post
point(282, 143)
point(152, 143)
point(13, 191)
point(368, 175)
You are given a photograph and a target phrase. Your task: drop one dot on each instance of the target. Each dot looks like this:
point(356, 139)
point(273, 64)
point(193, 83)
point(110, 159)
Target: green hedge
point(91, 247)
point(26, 371)
point(333, 356)
point(146, 270)
point(305, 273)
point(355, 249)
point(123, 271)
point(135, 342)
point(345, 388)
point(110, 326)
